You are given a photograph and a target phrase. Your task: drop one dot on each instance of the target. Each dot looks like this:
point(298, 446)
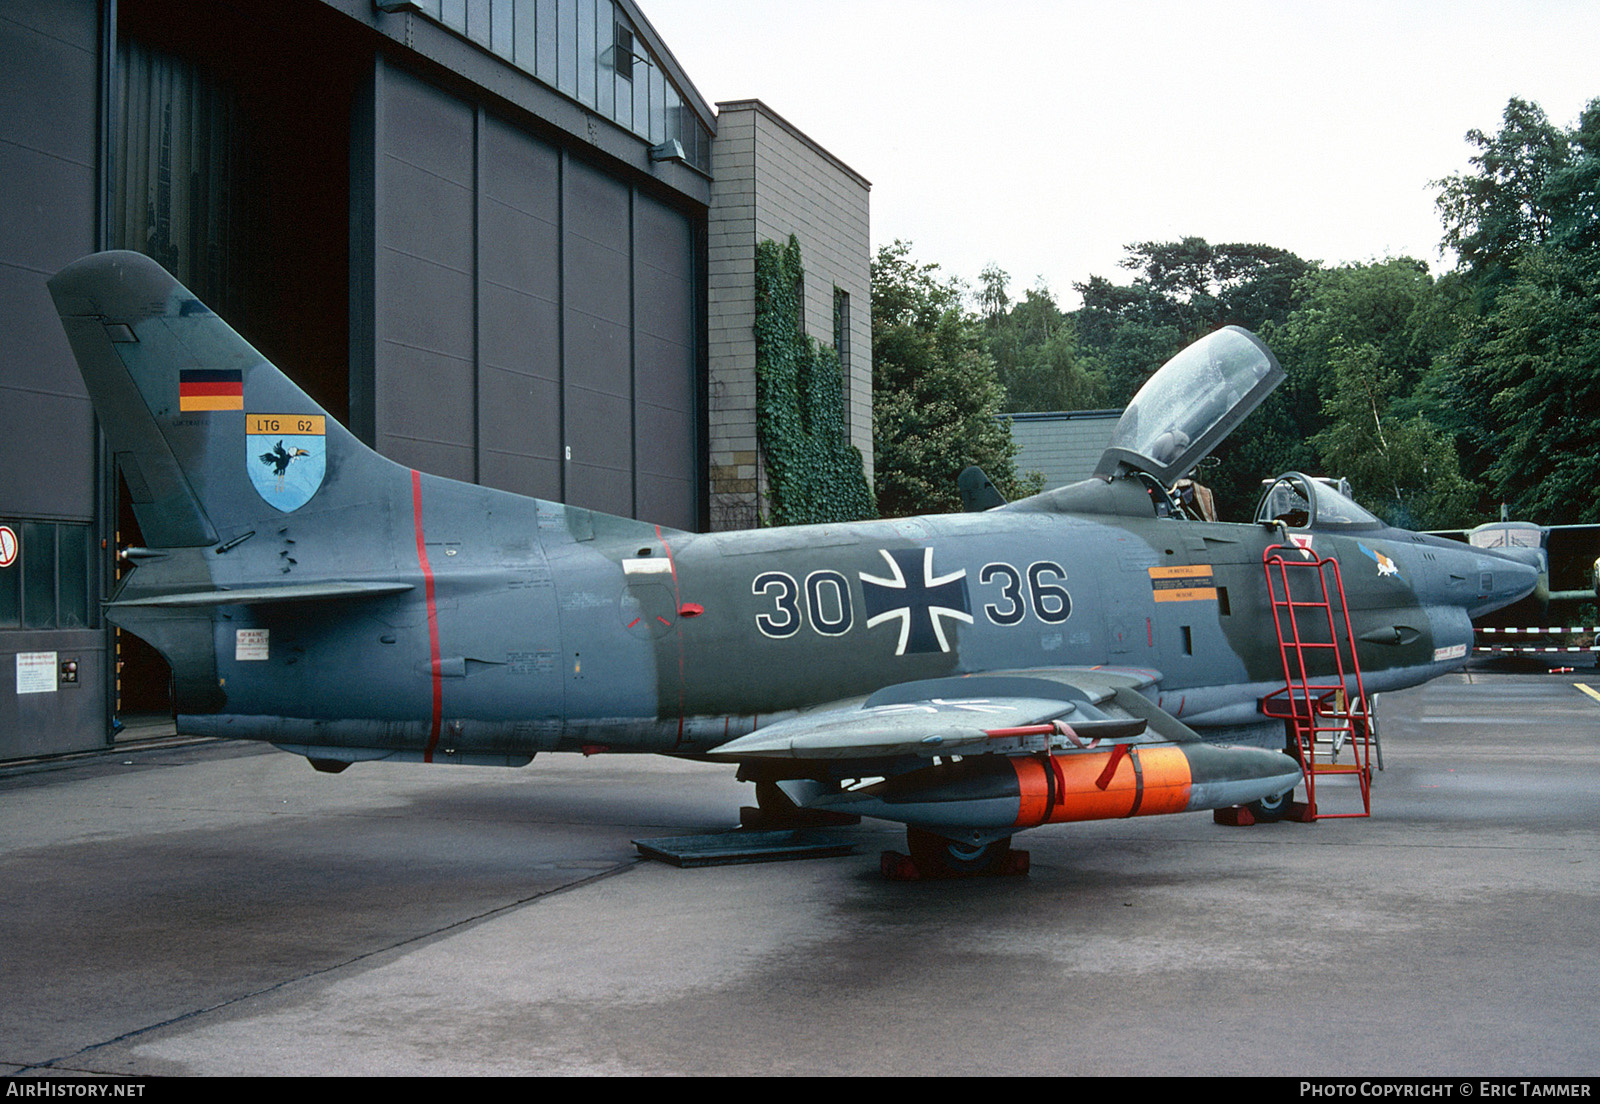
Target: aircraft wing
point(1058, 708)
point(979, 757)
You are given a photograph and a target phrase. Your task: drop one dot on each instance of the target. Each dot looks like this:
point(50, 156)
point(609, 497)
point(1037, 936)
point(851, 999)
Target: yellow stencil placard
point(311, 425)
point(1189, 583)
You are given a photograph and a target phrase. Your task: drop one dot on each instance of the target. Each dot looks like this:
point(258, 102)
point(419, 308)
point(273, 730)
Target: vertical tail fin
point(212, 439)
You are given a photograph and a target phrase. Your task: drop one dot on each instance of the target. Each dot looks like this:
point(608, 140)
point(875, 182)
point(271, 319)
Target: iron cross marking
point(917, 598)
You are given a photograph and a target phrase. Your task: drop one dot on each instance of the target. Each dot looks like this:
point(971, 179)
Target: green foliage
point(1519, 384)
point(1386, 304)
point(1038, 358)
point(1183, 290)
point(1492, 214)
point(1404, 468)
point(1436, 398)
point(935, 394)
point(1530, 370)
point(1359, 347)
point(814, 474)
point(1573, 191)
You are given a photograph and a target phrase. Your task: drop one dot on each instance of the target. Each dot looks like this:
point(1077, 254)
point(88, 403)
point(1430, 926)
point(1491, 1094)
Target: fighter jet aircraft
point(1064, 657)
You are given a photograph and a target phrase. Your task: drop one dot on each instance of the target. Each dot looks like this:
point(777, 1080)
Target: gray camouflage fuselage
point(311, 593)
point(562, 629)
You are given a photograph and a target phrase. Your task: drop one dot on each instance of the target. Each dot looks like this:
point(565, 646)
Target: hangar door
point(521, 318)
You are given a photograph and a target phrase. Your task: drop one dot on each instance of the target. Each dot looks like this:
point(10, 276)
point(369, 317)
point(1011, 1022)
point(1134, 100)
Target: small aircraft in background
point(1543, 623)
point(1084, 653)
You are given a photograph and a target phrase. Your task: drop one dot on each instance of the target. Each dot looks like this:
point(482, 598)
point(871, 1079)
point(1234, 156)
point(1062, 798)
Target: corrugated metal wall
point(49, 180)
point(532, 317)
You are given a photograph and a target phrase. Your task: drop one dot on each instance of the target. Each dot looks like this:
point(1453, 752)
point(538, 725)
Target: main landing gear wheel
point(1272, 808)
point(937, 856)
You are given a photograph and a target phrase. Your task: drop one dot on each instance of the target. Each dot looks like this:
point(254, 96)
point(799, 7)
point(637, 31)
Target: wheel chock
point(1240, 816)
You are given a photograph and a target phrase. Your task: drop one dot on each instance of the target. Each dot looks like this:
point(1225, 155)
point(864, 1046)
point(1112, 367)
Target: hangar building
point(506, 241)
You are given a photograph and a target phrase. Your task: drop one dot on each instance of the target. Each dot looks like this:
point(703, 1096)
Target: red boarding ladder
point(1319, 668)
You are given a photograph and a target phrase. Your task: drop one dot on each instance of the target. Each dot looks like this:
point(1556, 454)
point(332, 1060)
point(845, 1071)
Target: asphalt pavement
point(220, 908)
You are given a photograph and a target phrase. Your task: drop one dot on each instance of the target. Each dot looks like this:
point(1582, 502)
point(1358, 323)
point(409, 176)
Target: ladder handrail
point(1308, 699)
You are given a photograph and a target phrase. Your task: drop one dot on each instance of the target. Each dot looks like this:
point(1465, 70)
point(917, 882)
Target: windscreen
point(1191, 404)
point(1302, 502)
point(1507, 536)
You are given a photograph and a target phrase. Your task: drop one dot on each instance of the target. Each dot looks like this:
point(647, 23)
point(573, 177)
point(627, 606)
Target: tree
point(1501, 208)
point(1183, 291)
point(1055, 374)
point(1573, 191)
point(1530, 372)
point(992, 298)
point(1358, 350)
point(1392, 305)
point(1038, 357)
point(1521, 378)
point(1214, 286)
point(1405, 468)
point(935, 394)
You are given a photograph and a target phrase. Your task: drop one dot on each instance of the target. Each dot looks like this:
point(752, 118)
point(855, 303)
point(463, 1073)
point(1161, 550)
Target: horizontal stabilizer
point(256, 596)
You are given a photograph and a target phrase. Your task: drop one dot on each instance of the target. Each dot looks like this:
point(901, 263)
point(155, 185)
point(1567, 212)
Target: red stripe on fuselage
point(433, 618)
point(677, 605)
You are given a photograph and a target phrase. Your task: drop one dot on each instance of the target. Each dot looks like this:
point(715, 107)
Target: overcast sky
point(1045, 136)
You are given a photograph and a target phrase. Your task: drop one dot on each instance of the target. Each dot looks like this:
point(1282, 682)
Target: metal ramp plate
point(743, 846)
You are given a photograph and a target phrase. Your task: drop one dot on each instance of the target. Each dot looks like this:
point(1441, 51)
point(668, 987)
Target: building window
point(841, 332)
point(622, 52)
point(49, 583)
point(566, 44)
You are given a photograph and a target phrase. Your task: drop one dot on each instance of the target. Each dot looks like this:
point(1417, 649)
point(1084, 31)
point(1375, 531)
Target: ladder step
point(1326, 715)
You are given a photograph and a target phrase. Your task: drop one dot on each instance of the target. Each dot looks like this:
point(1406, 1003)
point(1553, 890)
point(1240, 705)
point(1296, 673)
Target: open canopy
point(1192, 402)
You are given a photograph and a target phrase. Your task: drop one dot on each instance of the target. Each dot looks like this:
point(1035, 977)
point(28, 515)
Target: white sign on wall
point(36, 672)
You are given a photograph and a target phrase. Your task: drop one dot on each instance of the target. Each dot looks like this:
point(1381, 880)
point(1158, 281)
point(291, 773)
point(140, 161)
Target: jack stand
point(902, 868)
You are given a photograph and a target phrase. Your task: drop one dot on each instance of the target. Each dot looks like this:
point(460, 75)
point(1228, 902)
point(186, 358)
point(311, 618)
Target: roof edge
point(759, 106)
point(658, 46)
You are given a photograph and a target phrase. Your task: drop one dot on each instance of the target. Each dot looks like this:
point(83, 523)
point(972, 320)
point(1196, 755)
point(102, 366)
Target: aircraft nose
point(1504, 577)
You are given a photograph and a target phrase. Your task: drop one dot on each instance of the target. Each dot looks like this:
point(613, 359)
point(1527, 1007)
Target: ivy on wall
point(813, 473)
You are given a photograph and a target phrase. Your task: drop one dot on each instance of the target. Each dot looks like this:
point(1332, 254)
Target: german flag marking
point(201, 389)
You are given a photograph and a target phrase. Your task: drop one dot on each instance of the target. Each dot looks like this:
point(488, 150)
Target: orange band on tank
point(1146, 782)
point(1033, 786)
